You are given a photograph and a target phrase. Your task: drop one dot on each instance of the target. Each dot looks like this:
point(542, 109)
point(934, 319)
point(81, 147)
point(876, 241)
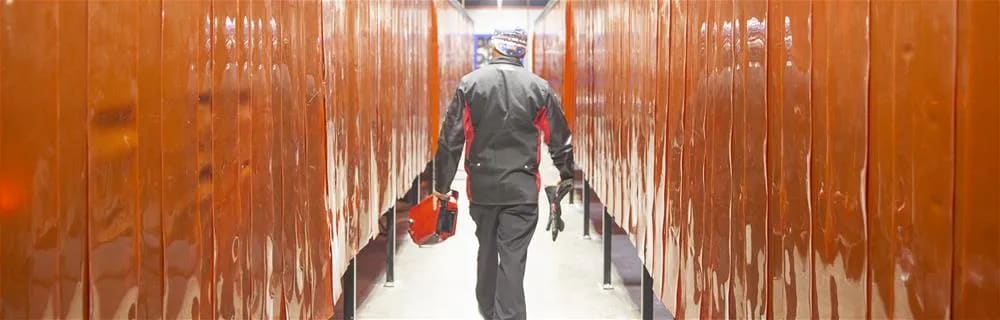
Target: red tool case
point(429, 224)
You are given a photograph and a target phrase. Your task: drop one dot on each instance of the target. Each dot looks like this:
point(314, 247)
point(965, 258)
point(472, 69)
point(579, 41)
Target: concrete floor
point(563, 279)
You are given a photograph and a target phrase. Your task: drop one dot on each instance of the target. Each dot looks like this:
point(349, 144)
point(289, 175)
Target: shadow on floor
point(371, 264)
point(624, 257)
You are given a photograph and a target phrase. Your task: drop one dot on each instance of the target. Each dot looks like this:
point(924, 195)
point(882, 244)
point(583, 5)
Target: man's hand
point(440, 196)
point(564, 188)
point(556, 223)
point(446, 217)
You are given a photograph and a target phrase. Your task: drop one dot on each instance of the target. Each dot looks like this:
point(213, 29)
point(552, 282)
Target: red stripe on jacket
point(470, 134)
point(542, 123)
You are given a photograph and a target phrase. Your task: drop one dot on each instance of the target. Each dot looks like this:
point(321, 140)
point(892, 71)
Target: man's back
point(498, 114)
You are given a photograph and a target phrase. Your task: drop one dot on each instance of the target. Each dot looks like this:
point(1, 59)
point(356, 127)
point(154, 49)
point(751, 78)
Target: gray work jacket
point(499, 114)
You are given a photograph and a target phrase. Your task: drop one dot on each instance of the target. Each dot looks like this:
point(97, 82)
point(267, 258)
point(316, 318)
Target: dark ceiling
point(506, 3)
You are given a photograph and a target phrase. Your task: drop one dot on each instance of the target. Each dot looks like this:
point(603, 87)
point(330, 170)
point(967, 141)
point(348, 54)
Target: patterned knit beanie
point(513, 43)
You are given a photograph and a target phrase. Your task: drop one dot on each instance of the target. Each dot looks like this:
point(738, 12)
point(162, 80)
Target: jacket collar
point(506, 60)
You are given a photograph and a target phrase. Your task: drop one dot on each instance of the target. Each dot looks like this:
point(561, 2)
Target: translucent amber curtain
point(204, 159)
point(791, 159)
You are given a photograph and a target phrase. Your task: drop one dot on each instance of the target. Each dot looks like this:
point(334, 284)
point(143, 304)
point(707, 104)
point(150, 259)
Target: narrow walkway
point(563, 279)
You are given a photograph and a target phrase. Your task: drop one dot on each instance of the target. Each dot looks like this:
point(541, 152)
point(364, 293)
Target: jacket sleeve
point(558, 137)
point(450, 144)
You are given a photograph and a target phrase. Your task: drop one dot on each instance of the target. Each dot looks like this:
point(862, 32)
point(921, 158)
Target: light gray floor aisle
point(563, 279)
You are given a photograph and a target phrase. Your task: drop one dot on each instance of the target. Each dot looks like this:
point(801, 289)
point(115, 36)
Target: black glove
point(555, 195)
point(565, 187)
point(446, 217)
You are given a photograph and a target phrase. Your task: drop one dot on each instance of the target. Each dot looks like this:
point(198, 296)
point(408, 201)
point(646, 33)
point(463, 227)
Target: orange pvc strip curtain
point(794, 159)
point(549, 60)
point(201, 159)
point(451, 51)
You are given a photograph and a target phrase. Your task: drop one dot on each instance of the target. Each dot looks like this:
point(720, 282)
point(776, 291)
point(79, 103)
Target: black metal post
point(350, 290)
point(572, 192)
point(586, 209)
point(390, 249)
point(647, 294)
point(606, 236)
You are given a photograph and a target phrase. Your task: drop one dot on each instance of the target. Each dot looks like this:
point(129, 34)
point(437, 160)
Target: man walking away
point(499, 114)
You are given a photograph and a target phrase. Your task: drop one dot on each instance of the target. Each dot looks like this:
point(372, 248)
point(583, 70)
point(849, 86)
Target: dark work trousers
point(504, 233)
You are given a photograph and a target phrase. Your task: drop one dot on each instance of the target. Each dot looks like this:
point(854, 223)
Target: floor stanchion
point(606, 237)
